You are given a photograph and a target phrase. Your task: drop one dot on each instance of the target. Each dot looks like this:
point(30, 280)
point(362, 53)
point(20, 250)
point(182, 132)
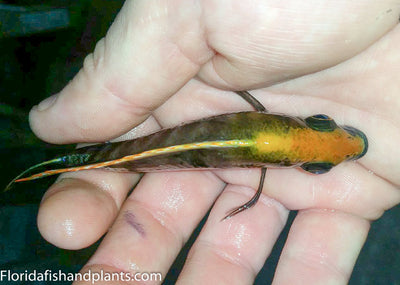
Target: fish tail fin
point(36, 174)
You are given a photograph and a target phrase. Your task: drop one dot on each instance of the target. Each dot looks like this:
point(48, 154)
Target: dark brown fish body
point(244, 139)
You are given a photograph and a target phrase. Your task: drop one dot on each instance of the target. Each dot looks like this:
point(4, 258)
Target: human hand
point(162, 65)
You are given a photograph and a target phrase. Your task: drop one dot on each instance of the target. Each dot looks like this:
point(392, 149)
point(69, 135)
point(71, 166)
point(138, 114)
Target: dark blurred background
point(42, 48)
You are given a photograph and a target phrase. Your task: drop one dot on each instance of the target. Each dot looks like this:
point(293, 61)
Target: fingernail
point(47, 103)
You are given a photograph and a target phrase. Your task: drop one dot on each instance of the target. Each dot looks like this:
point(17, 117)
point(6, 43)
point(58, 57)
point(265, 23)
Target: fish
point(247, 139)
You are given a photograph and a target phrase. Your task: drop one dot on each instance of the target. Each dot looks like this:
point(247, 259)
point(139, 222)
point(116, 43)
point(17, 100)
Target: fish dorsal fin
point(321, 122)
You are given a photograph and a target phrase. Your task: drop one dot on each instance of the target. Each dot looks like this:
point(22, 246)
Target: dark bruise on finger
point(131, 219)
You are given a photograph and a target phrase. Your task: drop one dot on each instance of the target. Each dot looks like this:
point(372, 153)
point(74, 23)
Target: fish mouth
point(357, 133)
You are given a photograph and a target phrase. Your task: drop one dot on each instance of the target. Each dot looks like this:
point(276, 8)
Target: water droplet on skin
point(69, 227)
point(160, 217)
point(324, 257)
point(241, 236)
point(133, 266)
point(175, 199)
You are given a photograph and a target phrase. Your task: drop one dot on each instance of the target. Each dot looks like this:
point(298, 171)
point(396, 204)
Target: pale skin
point(167, 62)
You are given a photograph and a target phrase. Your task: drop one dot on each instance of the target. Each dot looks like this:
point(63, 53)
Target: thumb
point(151, 50)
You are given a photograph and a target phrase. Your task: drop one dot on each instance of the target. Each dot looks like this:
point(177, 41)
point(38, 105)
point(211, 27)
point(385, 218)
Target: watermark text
point(89, 276)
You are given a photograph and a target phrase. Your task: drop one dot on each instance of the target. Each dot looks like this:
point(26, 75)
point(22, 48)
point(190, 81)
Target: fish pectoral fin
point(321, 123)
point(317, 167)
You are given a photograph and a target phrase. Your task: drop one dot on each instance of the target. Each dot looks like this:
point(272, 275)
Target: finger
point(348, 187)
point(155, 221)
point(322, 248)
point(234, 250)
point(80, 207)
point(197, 101)
point(151, 50)
point(263, 44)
